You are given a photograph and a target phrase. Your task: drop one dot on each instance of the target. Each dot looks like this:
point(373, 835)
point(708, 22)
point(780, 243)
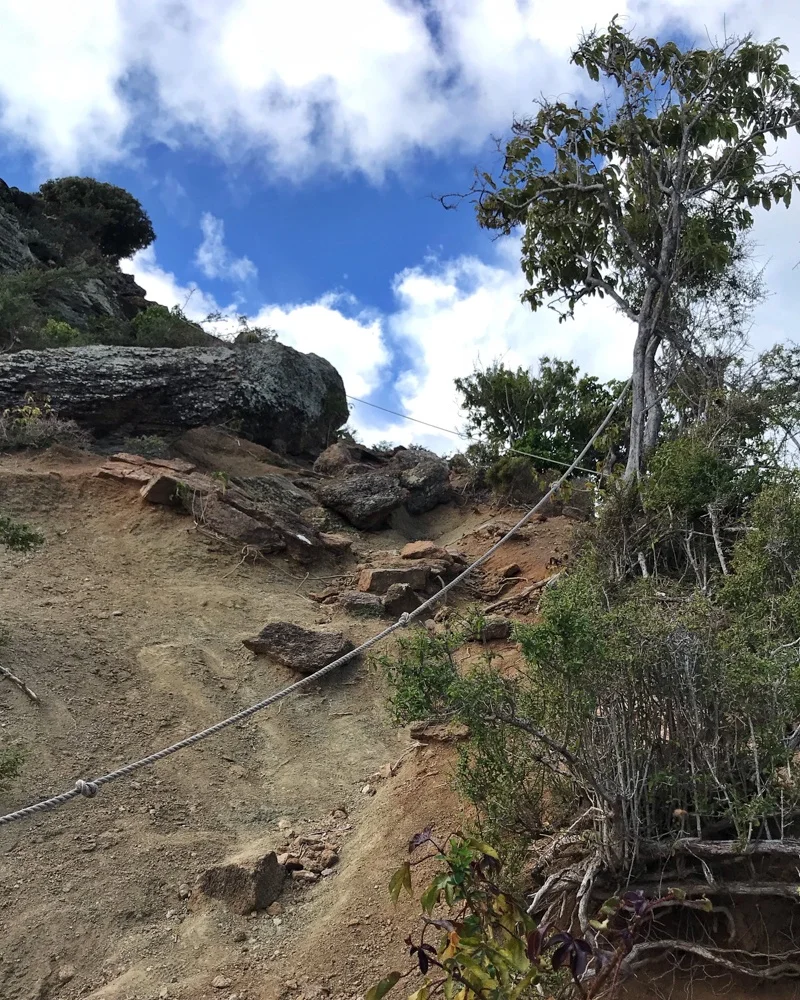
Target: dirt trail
point(128, 625)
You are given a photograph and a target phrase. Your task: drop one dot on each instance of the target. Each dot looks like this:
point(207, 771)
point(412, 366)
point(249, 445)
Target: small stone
point(400, 599)
point(220, 982)
point(301, 649)
point(421, 550)
point(513, 569)
point(66, 973)
point(444, 732)
point(338, 544)
point(323, 595)
point(285, 824)
point(358, 603)
point(495, 628)
point(184, 891)
point(275, 909)
point(304, 876)
point(239, 936)
point(246, 882)
point(368, 790)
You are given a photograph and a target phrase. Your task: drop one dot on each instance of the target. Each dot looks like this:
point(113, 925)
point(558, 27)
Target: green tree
point(552, 413)
point(645, 198)
point(107, 214)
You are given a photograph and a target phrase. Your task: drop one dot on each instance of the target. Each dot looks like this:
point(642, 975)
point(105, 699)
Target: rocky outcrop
point(365, 487)
point(278, 397)
point(365, 501)
point(75, 283)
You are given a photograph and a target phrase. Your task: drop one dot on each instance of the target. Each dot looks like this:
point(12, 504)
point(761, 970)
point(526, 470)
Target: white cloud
point(302, 86)
point(449, 316)
point(163, 287)
point(215, 260)
point(354, 344)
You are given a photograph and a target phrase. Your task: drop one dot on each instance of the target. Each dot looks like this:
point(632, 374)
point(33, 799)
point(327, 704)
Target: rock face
point(33, 239)
point(245, 883)
point(289, 401)
point(299, 648)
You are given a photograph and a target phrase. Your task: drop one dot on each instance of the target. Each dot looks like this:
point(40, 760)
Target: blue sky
point(287, 156)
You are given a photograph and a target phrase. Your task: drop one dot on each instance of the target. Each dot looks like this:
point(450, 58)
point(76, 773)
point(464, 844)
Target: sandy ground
point(128, 625)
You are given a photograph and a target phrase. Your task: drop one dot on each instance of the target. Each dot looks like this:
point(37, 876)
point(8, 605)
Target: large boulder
point(277, 396)
point(366, 500)
point(428, 485)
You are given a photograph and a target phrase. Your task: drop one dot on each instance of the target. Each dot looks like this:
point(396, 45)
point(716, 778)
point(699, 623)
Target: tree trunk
point(654, 411)
point(638, 403)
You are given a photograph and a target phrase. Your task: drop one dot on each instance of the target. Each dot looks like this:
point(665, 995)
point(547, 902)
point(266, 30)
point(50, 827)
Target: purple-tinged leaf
point(423, 837)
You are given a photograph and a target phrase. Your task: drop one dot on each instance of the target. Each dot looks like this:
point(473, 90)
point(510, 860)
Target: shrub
point(147, 445)
point(11, 760)
point(669, 711)
point(57, 333)
point(35, 425)
point(17, 536)
point(107, 214)
point(489, 946)
point(158, 326)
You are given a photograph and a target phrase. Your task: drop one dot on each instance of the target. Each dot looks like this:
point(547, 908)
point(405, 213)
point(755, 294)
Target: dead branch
point(532, 589)
point(716, 849)
point(20, 684)
point(785, 963)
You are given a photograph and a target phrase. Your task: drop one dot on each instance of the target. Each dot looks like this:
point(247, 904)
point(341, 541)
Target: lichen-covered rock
point(301, 649)
point(428, 484)
point(278, 396)
point(366, 501)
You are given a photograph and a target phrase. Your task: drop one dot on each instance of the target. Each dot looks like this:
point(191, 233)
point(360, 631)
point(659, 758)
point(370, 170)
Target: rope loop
point(87, 788)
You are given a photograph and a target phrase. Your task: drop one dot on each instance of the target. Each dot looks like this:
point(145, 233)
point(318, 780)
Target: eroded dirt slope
point(128, 625)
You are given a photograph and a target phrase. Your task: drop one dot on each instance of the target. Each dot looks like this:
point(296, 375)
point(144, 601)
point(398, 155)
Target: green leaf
point(678, 894)
point(430, 898)
point(383, 986)
point(421, 994)
point(611, 905)
point(399, 881)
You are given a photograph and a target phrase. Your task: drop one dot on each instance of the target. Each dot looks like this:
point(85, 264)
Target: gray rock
point(245, 882)
point(366, 501)
point(378, 581)
point(400, 599)
point(428, 484)
point(15, 254)
point(302, 649)
point(274, 392)
point(359, 603)
point(275, 491)
point(343, 454)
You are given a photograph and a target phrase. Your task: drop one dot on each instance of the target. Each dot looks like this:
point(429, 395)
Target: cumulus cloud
point(215, 259)
point(449, 316)
point(303, 86)
point(162, 286)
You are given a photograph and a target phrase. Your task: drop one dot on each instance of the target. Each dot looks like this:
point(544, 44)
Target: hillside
point(128, 625)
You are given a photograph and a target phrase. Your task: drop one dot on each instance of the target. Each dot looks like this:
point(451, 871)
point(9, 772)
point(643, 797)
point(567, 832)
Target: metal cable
point(466, 437)
point(89, 789)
